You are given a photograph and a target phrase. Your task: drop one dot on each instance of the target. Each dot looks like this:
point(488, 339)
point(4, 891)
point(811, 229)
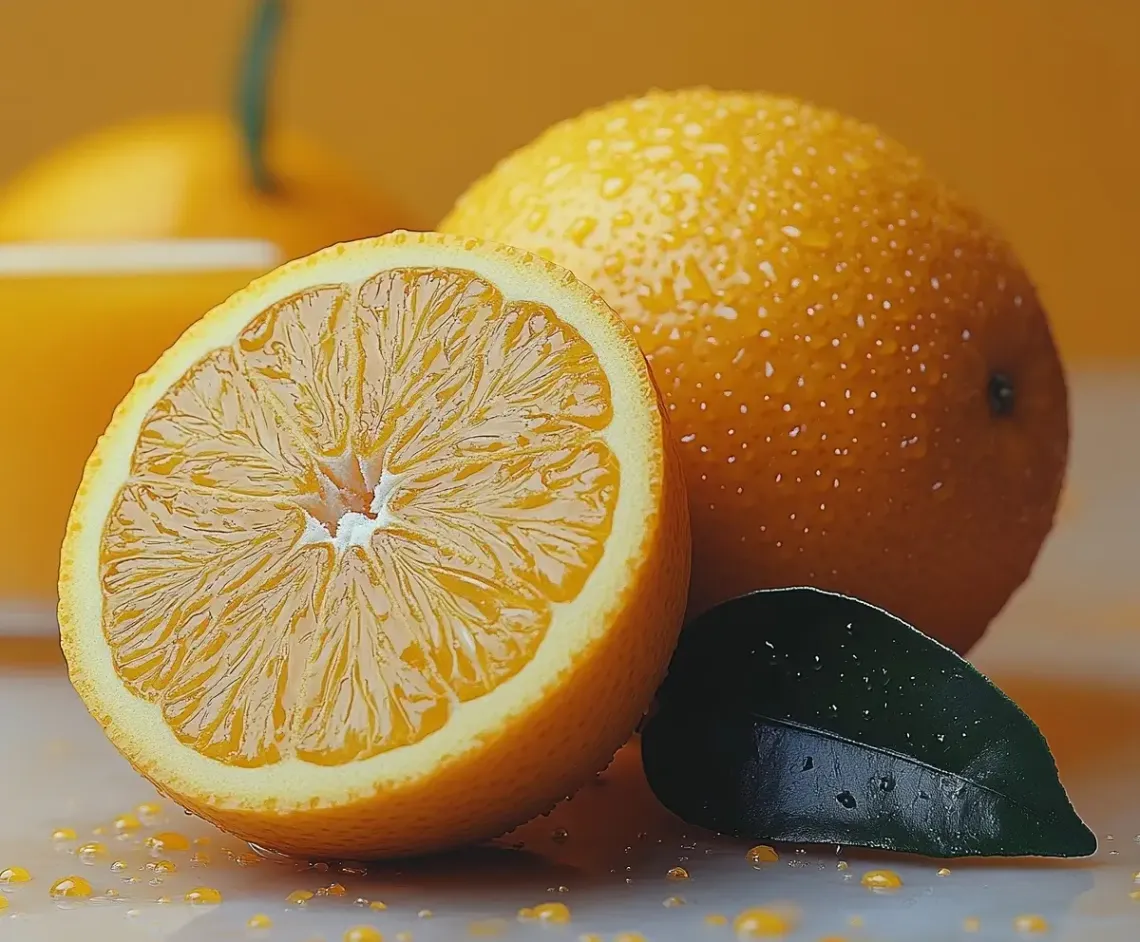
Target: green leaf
point(801, 715)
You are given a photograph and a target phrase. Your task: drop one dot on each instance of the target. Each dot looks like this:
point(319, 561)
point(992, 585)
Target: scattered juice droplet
point(64, 834)
point(148, 809)
point(14, 875)
point(378, 906)
point(671, 902)
point(841, 865)
point(201, 841)
point(854, 921)
point(168, 841)
point(881, 880)
point(1030, 922)
point(71, 888)
point(200, 859)
point(558, 835)
point(132, 913)
point(109, 894)
point(335, 889)
point(676, 873)
point(299, 897)
point(403, 937)
point(762, 854)
point(630, 937)
point(760, 922)
point(99, 831)
point(944, 872)
point(425, 914)
point(248, 859)
point(1134, 894)
point(162, 866)
point(363, 934)
point(545, 912)
point(203, 895)
point(971, 924)
point(716, 919)
point(92, 851)
point(164, 900)
point(486, 928)
point(259, 921)
point(126, 822)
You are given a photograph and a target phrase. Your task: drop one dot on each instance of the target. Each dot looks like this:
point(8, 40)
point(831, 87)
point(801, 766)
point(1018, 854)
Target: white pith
point(356, 529)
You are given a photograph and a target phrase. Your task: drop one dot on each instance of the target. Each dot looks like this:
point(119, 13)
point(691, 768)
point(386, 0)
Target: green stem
point(253, 87)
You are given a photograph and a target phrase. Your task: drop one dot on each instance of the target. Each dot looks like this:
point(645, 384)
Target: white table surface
point(1067, 648)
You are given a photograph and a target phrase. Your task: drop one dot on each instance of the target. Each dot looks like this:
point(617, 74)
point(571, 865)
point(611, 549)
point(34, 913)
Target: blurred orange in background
point(115, 241)
point(1031, 107)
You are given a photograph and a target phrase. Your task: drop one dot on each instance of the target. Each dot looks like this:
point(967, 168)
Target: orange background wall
point(1032, 107)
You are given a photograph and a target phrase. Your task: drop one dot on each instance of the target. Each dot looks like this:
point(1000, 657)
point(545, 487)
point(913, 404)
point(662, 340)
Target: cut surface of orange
point(387, 553)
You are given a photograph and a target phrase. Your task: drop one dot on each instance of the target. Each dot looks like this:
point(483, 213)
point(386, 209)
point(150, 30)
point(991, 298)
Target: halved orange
point(386, 554)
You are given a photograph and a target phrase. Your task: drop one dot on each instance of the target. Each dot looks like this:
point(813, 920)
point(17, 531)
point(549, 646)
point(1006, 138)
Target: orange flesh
point(357, 517)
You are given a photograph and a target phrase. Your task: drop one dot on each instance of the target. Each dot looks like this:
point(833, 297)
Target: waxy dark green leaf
point(802, 715)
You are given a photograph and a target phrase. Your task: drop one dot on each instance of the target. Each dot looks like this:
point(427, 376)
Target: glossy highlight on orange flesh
point(416, 455)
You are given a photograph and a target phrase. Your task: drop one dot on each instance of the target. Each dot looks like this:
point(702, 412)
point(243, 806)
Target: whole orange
point(858, 369)
point(184, 176)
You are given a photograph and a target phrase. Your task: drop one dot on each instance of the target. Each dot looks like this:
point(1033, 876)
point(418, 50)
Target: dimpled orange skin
point(824, 319)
